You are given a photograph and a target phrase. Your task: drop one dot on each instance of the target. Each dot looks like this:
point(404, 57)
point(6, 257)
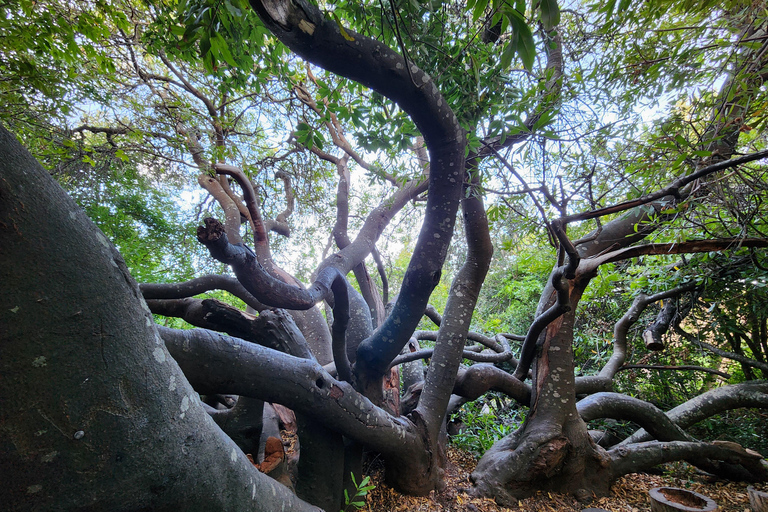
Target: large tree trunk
point(553, 449)
point(95, 414)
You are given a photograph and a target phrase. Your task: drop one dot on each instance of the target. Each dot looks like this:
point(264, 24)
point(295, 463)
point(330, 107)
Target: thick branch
point(716, 401)
point(454, 328)
point(216, 363)
point(560, 307)
point(259, 232)
point(631, 459)
point(304, 29)
point(200, 285)
point(256, 279)
point(622, 407)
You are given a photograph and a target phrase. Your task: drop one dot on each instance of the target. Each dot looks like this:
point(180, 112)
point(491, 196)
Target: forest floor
point(629, 494)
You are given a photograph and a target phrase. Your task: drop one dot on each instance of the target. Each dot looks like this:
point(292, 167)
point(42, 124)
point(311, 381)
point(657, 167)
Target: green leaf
point(224, 51)
point(550, 14)
point(479, 9)
point(508, 53)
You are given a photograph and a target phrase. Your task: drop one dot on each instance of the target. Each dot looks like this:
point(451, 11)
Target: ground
point(629, 494)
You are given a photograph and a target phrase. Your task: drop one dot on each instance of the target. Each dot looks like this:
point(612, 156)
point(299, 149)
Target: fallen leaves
point(628, 494)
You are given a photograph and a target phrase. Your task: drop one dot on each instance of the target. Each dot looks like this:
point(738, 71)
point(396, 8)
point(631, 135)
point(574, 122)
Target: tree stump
point(758, 500)
point(672, 499)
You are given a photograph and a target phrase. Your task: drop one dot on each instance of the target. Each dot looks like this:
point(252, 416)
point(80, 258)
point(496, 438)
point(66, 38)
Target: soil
point(628, 494)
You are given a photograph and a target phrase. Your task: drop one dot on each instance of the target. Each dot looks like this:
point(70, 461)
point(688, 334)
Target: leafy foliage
point(357, 501)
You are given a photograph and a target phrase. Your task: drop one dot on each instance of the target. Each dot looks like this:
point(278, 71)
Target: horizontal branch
point(622, 407)
point(672, 189)
point(688, 247)
point(716, 401)
point(216, 363)
point(675, 368)
point(639, 457)
point(200, 285)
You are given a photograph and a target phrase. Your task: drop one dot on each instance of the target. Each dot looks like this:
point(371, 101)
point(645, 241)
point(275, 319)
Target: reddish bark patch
point(336, 392)
point(551, 457)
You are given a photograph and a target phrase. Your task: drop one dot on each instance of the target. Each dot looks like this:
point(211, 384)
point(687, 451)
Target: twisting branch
point(502, 352)
point(304, 29)
point(259, 232)
point(717, 351)
point(622, 407)
point(560, 307)
point(197, 286)
point(621, 328)
point(692, 368)
point(330, 284)
point(280, 224)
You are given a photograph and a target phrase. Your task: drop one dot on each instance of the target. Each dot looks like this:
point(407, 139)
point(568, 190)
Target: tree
point(337, 376)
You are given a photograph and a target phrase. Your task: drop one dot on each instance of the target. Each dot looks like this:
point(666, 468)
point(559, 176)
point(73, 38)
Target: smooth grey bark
point(622, 407)
point(197, 286)
point(305, 30)
point(217, 363)
point(242, 423)
point(95, 414)
point(716, 401)
point(736, 462)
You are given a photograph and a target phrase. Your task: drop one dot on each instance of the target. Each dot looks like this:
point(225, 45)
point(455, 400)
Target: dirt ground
point(629, 494)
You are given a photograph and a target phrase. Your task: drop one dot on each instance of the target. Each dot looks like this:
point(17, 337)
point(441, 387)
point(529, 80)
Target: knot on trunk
point(550, 457)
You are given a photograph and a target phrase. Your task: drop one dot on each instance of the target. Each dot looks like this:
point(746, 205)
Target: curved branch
point(304, 29)
point(622, 407)
point(256, 279)
point(200, 285)
point(560, 307)
point(675, 368)
point(620, 330)
point(280, 224)
point(716, 401)
point(259, 232)
point(639, 457)
point(478, 379)
point(459, 309)
point(473, 382)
